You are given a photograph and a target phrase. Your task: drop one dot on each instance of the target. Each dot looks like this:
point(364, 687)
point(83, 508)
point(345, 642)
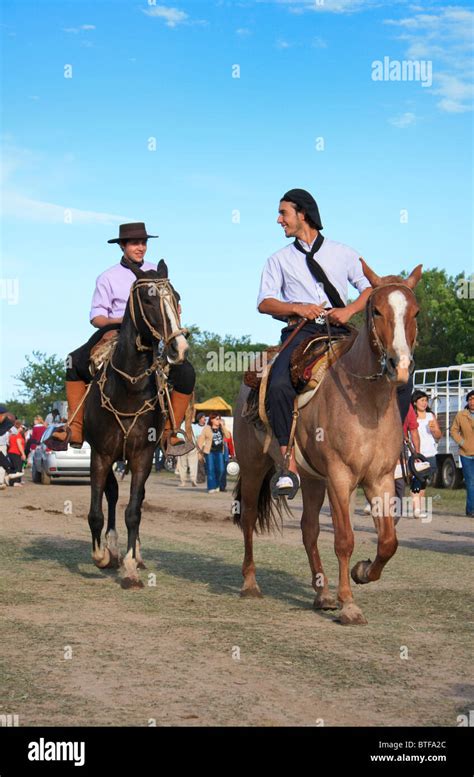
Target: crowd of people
point(208, 461)
point(18, 441)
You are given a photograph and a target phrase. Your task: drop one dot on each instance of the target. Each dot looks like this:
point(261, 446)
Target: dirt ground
point(79, 650)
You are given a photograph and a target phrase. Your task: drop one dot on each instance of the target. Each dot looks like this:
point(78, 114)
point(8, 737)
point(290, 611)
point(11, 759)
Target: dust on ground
point(186, 650)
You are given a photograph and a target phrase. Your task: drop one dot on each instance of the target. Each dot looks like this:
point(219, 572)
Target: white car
point(48, 465)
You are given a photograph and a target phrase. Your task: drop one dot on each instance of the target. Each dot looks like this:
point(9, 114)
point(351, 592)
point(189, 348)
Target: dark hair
point(418, 394)
point(468, 396)
point(308, 219)
point(212, 417)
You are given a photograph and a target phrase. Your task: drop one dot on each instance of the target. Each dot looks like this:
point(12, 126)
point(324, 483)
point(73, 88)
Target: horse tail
point(269, 511)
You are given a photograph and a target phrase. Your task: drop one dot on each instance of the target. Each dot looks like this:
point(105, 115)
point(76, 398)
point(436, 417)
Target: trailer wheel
point(451, 477)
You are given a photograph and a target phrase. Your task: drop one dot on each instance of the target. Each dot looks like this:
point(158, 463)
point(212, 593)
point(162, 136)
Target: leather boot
point(75, 390)
point(171, 443)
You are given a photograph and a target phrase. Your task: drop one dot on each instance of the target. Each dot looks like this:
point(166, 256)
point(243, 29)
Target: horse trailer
point(446, 388)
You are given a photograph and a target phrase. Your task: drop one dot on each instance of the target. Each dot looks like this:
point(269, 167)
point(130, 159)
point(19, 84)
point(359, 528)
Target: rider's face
point(135, 250)
point(291, 221)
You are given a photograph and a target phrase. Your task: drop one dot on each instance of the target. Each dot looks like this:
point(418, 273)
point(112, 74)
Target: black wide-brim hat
point(136, 231)
point(304, 200)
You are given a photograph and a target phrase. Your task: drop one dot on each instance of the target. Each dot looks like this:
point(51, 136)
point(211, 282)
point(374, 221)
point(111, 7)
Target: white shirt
point(428, 444)
point(286, 276)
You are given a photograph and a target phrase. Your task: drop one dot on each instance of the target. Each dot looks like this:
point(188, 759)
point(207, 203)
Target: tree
point(44, 381)
point(445, 321)
point(220, 362)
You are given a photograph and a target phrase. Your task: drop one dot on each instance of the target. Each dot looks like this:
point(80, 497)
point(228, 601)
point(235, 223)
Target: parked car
point(48, 465)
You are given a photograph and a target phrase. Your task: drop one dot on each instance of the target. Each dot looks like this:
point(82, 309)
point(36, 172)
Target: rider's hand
point(339, 315)
point(308, 311)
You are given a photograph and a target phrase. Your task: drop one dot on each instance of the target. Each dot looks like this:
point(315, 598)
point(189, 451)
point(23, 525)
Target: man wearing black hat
point(109, 301)
point(305, 279)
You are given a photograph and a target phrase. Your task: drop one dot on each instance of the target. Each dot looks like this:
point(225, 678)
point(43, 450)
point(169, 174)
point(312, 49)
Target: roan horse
point(123, 416)
point(355, 414)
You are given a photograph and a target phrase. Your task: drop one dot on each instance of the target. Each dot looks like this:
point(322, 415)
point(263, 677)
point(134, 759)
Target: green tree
point(44, 381)
point(445, 321)
point(219, 362)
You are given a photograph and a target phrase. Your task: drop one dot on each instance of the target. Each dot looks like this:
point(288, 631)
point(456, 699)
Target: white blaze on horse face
point(399, 305)
point(181, 342)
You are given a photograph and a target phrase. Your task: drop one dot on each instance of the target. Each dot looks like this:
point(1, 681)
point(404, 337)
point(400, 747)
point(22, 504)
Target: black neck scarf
point(318, 273)
point(126, 262)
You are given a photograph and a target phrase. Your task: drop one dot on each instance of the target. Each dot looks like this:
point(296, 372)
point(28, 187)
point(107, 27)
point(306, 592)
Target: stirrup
point(179, 448)
point(288, 491)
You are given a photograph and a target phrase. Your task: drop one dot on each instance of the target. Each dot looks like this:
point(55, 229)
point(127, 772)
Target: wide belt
point(295, 320)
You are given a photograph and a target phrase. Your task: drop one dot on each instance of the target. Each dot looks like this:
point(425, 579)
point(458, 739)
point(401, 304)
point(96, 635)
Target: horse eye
point(417, 314)
point(377, 312)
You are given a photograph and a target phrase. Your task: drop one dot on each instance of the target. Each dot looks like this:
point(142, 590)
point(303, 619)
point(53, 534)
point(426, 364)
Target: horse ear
point(414, 276)
point(162, 269)
point(371, 276)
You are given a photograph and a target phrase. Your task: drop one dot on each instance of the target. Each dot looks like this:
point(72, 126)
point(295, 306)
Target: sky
point(196, 117)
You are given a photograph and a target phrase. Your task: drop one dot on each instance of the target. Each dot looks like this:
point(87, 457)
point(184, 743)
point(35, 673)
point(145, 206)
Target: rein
point(161, 287)
point(382, 355)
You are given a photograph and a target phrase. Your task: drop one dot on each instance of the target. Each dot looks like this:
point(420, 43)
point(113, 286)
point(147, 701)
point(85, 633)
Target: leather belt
point(295, 320)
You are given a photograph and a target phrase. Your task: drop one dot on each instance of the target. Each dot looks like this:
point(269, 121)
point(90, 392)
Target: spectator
point(7, 474)
point(429, 433)
point(39, 428)
point(462, 432)
point(211, 442)
point(16, 451)
point(197, 427)
point(228, 452)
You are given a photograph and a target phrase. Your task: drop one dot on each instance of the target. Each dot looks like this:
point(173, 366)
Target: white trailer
point(446, 388)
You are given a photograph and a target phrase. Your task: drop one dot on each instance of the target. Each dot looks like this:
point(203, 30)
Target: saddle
point(309, 364)
point(103, 350)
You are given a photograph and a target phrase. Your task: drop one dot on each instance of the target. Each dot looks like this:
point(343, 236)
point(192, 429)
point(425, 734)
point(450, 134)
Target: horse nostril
point(392, 364)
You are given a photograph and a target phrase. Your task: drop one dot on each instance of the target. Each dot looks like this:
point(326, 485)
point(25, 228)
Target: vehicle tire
point(451, 477)
point(35, 475)
point(45, 478)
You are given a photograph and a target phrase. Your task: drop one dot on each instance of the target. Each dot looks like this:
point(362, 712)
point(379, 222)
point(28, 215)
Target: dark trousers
point(281, 393)
point(181, 376)
point(6, 463)
point(16, 464)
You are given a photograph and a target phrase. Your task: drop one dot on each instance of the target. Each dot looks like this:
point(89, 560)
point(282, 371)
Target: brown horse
point(348, 433)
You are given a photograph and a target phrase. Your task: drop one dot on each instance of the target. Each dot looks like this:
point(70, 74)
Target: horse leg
point(340, 489)
point(380, 496)
point(99, 474)
point(133, 516)
point(111, 536)
point(313, 492)
point(251, 484)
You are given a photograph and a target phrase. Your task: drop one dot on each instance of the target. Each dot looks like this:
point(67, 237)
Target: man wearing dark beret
point(306, 279)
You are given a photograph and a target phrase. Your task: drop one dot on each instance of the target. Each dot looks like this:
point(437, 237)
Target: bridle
point(162, 289)
point(374, 338)
point(158, 367)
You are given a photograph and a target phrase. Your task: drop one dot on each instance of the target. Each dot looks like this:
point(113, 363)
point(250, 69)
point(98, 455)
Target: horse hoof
point(352, 615)
point(141, 565)
point(359, 572)
point(251, 593)
point(128, 583)
point(325, 603)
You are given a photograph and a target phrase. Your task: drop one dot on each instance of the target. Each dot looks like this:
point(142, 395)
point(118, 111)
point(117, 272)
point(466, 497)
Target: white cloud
point(26, 209)
point(319, 43)
point(172, 16)
point(283, 44)
point(243, 32)
point(329, 6)
point(82, 28)
point(444, 36)
point(404, 120)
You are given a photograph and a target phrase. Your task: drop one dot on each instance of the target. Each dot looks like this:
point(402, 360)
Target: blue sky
point(141, 70)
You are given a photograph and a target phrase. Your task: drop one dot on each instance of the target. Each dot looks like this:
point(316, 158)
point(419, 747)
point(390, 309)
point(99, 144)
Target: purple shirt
point(112, 290)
